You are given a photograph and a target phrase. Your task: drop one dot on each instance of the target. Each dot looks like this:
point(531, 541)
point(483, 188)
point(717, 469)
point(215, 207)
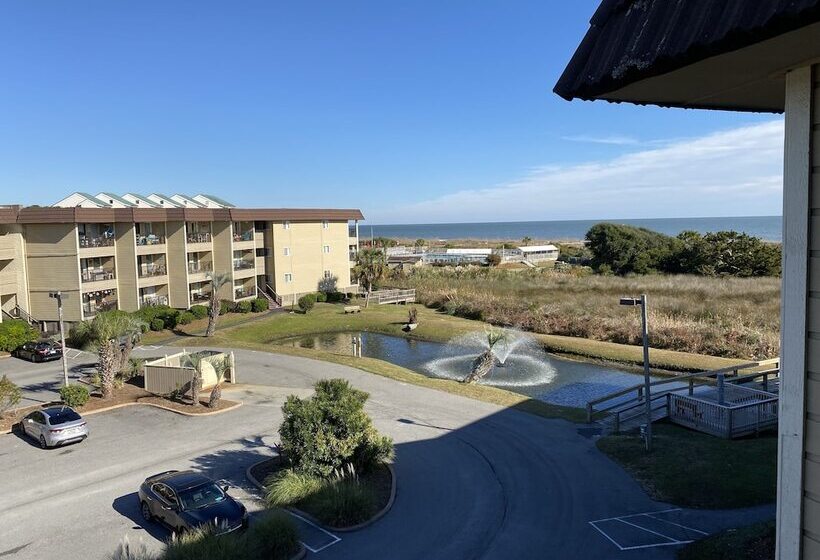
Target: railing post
point(691, 386)
point(589, 413)
point(765, 381)
point(729, 422)
point(618, 422)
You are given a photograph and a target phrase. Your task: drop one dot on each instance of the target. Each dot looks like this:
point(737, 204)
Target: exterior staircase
point(266, 291)
point(18, 312)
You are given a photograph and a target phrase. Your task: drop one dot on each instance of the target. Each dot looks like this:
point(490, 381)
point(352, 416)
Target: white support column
point(795, 289)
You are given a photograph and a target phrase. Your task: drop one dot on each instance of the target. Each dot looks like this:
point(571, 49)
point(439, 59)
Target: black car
point(184, 500)
point(38, 351)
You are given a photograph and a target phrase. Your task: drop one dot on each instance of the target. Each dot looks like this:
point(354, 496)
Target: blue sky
point(421, 111)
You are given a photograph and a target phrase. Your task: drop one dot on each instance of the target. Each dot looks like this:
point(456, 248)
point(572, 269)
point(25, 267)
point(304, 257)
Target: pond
point(523, 366)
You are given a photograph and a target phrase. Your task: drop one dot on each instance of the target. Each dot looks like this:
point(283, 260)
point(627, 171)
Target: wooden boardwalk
point(392, 296)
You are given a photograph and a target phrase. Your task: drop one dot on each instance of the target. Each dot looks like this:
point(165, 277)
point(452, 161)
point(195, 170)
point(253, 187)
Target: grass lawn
point(754, 542)
point(441, 327)
point(691, 469)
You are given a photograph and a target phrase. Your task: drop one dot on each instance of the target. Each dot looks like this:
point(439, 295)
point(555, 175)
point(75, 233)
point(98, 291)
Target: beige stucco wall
point(52, 264)
point(308, 260)
point(126, 266)
point(13, 283)
point(177, 263)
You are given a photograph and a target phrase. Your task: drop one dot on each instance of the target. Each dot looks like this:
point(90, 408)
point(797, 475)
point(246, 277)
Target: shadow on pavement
point(129, 506)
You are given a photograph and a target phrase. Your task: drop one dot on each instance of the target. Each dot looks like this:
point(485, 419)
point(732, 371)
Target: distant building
point(457, 256)
point(538, 253)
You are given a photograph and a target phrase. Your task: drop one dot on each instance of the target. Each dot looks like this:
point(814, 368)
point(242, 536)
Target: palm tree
point(196, 362)
point(371, 264)
point(105, 332)
point(527, 240)
point(221, 367)
point(218, 280)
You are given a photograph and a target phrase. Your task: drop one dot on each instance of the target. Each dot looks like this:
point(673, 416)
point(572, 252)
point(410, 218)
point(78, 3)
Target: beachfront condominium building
point(109, 251)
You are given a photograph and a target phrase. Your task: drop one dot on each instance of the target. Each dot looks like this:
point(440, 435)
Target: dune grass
point(691, 469)
point(727, 317)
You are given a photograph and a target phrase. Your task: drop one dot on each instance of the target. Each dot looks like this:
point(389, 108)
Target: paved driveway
point(474, 480)
point(40, 382)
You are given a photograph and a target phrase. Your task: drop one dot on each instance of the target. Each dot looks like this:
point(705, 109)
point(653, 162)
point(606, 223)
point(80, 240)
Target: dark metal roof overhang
point(712, 54)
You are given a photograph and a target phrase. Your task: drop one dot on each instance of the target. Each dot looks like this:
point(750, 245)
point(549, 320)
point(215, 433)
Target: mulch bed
point(380, 480)
point(129, 393)
point(186, 407)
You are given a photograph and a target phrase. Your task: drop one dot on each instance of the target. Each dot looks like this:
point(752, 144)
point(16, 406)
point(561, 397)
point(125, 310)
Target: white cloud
point(616, 140)
point(729, 173)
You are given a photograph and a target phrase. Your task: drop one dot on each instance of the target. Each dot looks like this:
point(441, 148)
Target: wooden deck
point(392, 296)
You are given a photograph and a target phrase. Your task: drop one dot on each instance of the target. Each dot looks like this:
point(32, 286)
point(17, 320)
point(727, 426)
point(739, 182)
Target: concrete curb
point(137, 403)
point(312, 519)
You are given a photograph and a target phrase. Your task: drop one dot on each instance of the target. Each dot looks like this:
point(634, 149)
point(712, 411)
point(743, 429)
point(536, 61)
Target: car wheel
point(146, 512)
point(43, 444)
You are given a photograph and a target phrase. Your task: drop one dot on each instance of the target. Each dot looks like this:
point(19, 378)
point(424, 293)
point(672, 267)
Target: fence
point(392, 296)
point(167, 374)
point(754, 412)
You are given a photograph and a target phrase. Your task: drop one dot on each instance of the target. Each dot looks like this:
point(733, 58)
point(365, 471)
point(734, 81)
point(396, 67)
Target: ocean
point(767, 228)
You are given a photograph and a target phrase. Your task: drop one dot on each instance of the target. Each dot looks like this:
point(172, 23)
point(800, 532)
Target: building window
point(288, 277)
point(326, 248)
point(286, 225)
point(328, 274)
point(325, 224)
point(262, 252)
point(286, 250)
point(260, 226)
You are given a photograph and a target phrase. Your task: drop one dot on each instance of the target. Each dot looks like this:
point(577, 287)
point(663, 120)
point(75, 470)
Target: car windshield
point(201, 496)
point(62, 416)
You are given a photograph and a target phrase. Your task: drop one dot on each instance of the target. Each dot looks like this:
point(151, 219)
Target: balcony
point(153, 300)
point(199, 267)
point(243, 236)
point(150, 239)
point(201, 237)
point(97, 275)
point(242, 293)
point(243, 264)
point(92, 307)
point(94, 242)
point(200, 297)
point(151, 270)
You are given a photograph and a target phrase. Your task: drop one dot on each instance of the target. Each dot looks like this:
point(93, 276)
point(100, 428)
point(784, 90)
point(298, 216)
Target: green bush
point(199, 311)
point(335, 297)
point(273, 537)
point(321, 297)
point(243, 307)
point(168, 315)
point(259, 304)
point(185, 318)
point(157, 324)
point(330, 431)
point(10, 394)
point(307, 302)
point(288, 487)
point(225, 306)
point(203, 544)
point(74, 395)
point(14, 333)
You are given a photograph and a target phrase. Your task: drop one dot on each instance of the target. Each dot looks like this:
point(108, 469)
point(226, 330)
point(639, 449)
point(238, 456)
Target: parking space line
point(336, 539)
point(623, 520)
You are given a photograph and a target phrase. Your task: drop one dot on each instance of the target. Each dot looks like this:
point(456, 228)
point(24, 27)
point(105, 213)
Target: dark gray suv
point(184, 500)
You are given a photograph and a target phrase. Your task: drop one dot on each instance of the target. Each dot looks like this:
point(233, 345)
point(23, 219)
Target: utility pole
point(647, 382)
point(59, 297)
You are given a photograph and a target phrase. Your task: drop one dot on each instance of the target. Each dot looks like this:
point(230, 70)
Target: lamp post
point(641, 301)
point(59, 297)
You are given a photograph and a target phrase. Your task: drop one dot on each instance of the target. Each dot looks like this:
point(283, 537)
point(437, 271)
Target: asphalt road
point(41, 382)
point(475, 481)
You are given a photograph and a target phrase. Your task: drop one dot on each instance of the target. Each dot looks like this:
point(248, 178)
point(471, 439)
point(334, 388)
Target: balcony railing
point(102, 241)
point(240, 293)
point(197, 268)
point(150, 239)
point(200, 296)
point(148, 301)
point(244, 236)
point(93, 307)
point(242, 264)
point(97, 275)
point(203, 237)
point(146, 271)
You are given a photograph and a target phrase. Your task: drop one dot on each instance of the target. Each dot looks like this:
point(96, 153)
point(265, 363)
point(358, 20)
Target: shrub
point(10, 394)
point(157, 324)
point(225, 306)
point(128, 551)
point(307, 302)
point(343, 502)
point(185, 318)
point(273, 537)
point(202, 543)
point(199, 311)
point(259, 304)
point(168, 315)
point(494, 259)
point(288, 487)
point(335, 297)
point(14, 333)
point(321, 297)
point(74, 395)
point(243, 307)
point(330, 431)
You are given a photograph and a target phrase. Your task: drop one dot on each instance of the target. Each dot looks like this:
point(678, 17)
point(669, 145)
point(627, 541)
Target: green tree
point(627, 249)
point(218, 280)
point(371, 265)
point(105, 332)
point(330, 431)
point(419, 243)
point(526, 240)
point(729, 253)
point(221, 368)
point(15, 333)
point(10, 394)
point(196, 362)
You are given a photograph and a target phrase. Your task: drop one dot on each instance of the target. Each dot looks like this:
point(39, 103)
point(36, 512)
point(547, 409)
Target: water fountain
point(505, 358)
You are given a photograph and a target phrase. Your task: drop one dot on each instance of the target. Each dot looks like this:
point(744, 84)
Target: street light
point(641, 301)
point(59, 297)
